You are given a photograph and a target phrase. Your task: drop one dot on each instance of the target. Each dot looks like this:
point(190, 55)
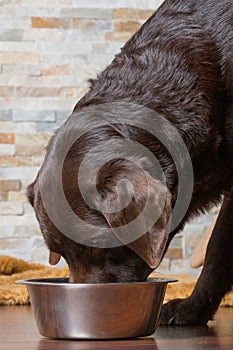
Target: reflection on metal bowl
point(96, 311)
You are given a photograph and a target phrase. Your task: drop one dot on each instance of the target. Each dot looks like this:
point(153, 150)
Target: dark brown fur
point(179, 64)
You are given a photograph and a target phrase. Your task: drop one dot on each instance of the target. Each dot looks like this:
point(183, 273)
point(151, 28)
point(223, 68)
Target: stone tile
point(17, 196)
point(19, 57)
point(95, 13)
point(10, 34)
point(174, 253)
point(84, 37)
point(205, 219)
point(43, 3)
point(19, 46)
point(45, 127)
point(95, 3)
point(101, 60)
point(16, 22)
point(164, 266)
point(61, 116)
point(118, 36)
point(34, 115)
point(38, 242)
point(22, 253)
point(106, 48)
point(73, 92)
point(12, 127)
point(132, 14)
point(44, 34)
point(19, 220)
point(192, 238)
point(192, 228)
point(5, 115)
point(40, 255)
point(37, 144)
point(36, 92)
point(9, 208)
point(20, 161)
point(7, 231)
point(27, 208)
point(55, 69)
point(6, 149)
point(4, 2)
point(17, 10)
point(177, 242)
point(21, 69)
point(126, 26)
point(4, 196)
point(66, 2)
point(91, 24)
point(79, 74)
point(65, 57)
point(15, 173)
point(5, 80)
point(56, 103)
point(6, 91)
point(10, 185)
point(26, 231)
point(138, 4)
point(179, 266)
point(61, 23)
point(7, 138)
point(14, 243)
point(31, 81)
point(25, 183)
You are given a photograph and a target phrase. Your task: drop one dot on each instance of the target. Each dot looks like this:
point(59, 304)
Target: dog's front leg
point(215, 280)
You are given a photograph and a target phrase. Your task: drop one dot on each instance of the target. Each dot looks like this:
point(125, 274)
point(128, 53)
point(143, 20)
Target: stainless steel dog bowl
point(96, 311)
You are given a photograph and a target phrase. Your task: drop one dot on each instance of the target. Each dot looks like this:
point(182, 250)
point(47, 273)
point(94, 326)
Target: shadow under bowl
point(96, 311)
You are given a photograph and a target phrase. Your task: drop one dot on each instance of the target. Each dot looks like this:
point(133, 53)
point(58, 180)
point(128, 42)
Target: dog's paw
point(181, 312)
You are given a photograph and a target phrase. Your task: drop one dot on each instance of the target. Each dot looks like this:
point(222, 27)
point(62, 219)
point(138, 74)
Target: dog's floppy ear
point(146, 212)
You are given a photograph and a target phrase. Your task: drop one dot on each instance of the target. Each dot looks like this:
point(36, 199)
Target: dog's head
point(123, 210)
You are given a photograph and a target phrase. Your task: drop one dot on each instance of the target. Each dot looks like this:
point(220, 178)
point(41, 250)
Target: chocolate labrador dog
point(178, 65)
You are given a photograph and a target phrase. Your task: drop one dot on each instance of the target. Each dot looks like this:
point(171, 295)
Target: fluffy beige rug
point(12, 269)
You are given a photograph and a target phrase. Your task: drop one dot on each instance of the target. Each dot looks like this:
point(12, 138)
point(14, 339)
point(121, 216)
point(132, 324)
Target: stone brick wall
point(48, 50)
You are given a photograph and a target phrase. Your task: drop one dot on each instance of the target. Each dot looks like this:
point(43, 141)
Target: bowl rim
point(53, 281)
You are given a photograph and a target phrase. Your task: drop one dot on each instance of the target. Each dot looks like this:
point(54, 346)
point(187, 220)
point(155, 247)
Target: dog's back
point(179, 64)
point(181, 40)
point(173, 65)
